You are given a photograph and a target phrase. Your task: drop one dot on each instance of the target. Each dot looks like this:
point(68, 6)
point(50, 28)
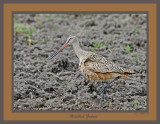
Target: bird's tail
point(128, 76)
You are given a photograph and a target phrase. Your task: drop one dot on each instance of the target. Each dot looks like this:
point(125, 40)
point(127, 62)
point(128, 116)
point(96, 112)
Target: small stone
point(67, 98)
point(94, 95)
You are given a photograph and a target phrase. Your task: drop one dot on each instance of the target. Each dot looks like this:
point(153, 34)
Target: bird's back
point(99, 68)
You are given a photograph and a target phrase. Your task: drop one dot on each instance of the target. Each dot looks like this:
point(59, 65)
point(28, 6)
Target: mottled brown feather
point(100, 64)
point(98, 68)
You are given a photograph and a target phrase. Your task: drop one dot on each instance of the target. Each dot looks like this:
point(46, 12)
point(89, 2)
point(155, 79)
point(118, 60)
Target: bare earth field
point(58, 84)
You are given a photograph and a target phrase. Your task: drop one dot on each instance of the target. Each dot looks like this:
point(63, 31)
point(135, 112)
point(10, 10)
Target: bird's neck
point(78, 50)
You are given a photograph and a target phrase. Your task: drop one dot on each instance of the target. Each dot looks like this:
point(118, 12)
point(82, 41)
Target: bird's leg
point(101, 95)
point(104, 87)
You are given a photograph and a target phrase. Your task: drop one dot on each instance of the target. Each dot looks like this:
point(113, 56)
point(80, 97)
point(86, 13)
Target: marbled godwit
point(96, 67)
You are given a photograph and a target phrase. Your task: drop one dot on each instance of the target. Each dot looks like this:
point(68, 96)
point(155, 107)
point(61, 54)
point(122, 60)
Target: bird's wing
point(100, 64)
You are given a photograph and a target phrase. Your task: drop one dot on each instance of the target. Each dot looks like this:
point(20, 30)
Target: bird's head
point(71, 39)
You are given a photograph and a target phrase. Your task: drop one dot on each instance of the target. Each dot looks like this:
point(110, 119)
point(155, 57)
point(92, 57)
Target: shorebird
point(96, 67)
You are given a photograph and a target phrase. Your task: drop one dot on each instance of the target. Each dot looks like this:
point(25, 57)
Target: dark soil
point(59, 84)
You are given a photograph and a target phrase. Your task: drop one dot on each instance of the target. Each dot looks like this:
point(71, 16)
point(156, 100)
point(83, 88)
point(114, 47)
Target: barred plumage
point(99, 68)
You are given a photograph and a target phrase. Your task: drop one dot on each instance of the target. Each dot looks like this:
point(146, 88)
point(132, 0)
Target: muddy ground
point(59, 84)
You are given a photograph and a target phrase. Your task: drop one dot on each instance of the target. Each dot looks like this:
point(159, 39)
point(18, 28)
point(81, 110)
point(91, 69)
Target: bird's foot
point(102, 92)
point(100, 102)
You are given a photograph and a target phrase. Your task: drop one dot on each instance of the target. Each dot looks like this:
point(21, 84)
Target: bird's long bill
point(55, 53)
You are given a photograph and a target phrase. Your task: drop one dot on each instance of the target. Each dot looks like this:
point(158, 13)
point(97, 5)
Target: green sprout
point(31, 31)
point(38, 60)
point(92, 50)
point(21, 29)
point(61, 16)
point(135, 56)
point(67, 81)
point(102, 44)
point(128, 48)
point(26, 31)
point(136, 30)
point(135, 103)
point(43, 40)
point(69, 66)
point(81, 15)
point(97, 45)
